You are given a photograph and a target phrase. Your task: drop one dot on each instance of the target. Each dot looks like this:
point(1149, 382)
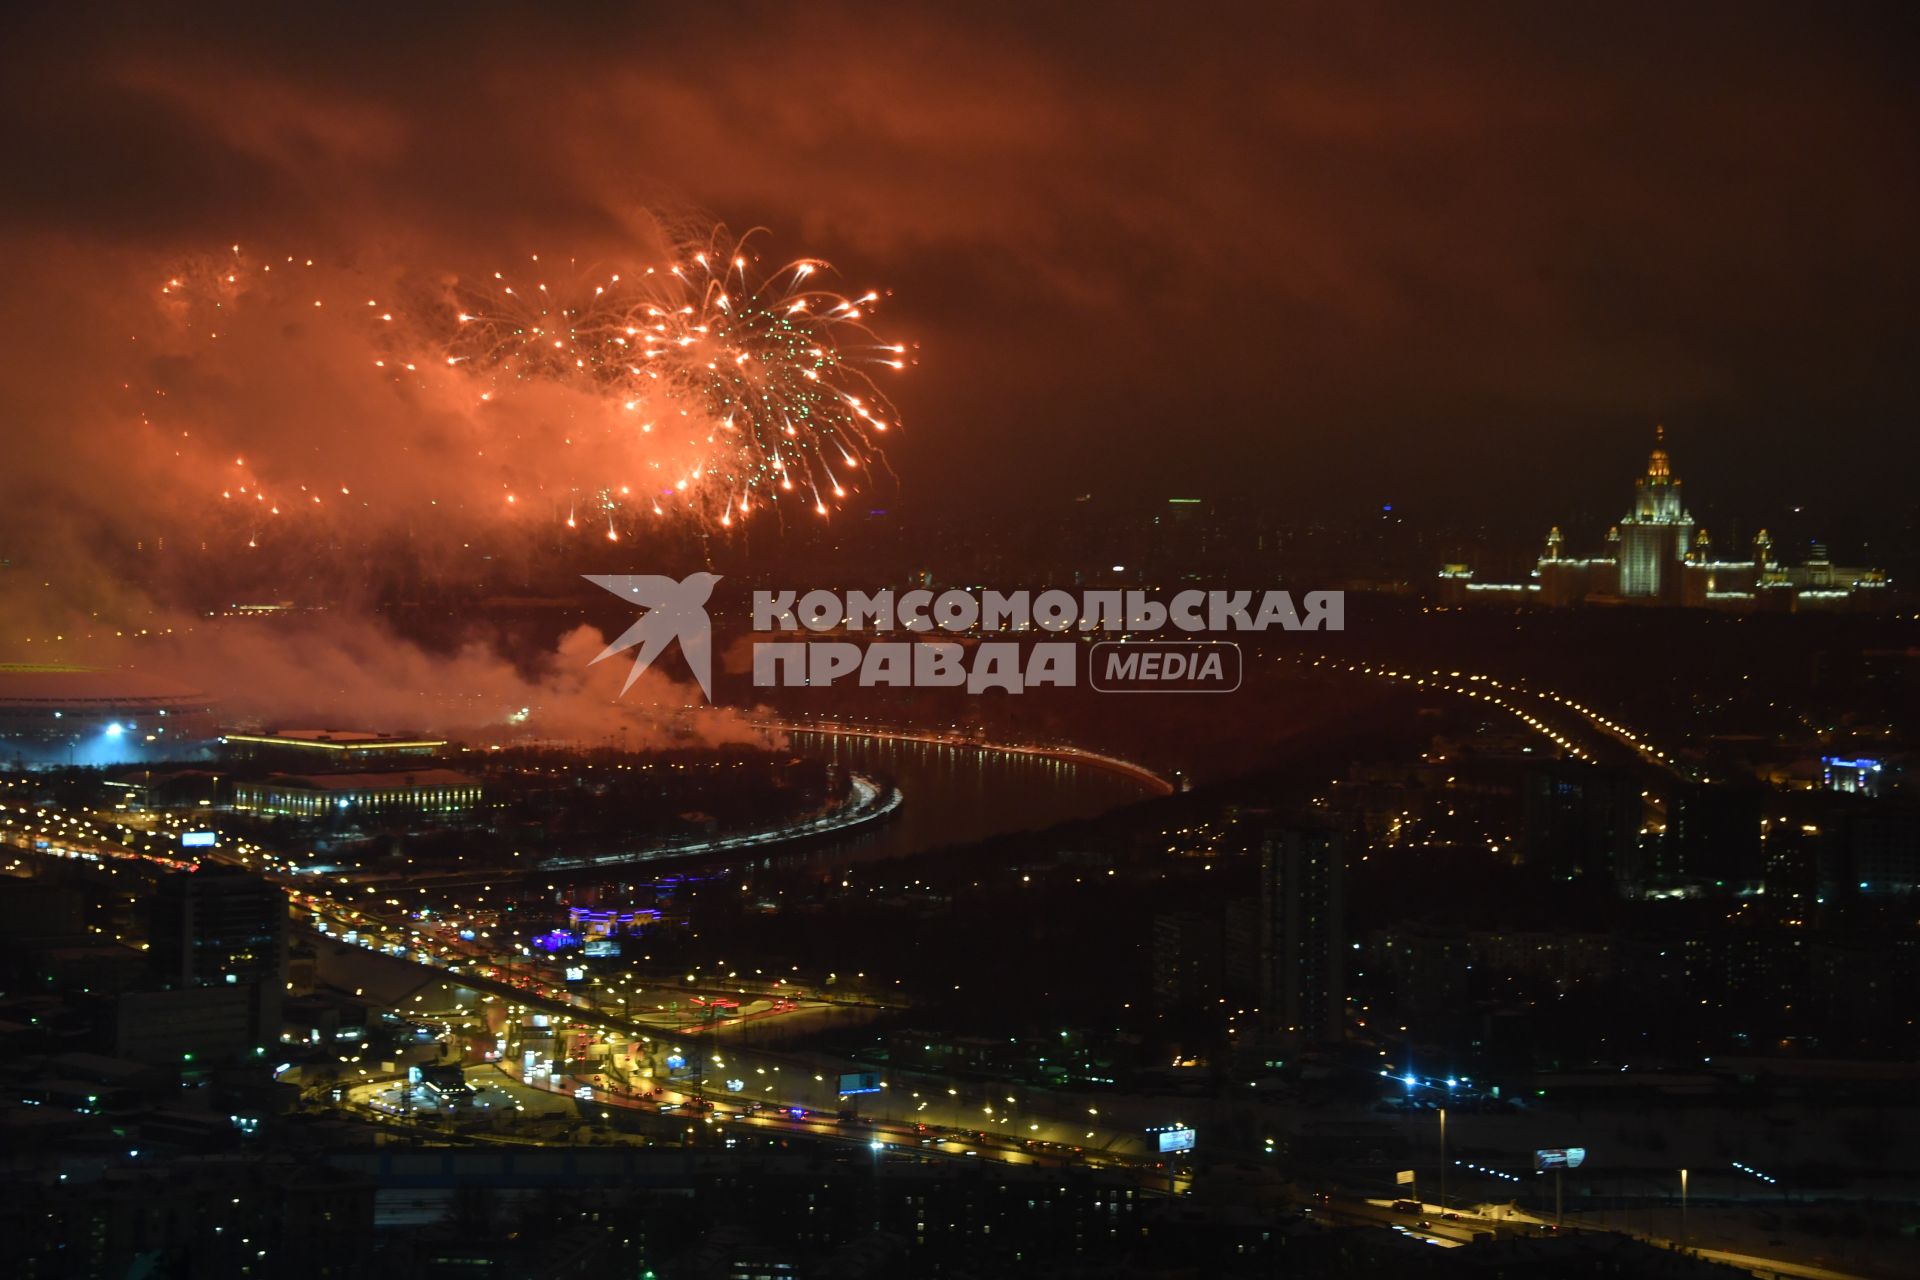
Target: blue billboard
point(860, 1082)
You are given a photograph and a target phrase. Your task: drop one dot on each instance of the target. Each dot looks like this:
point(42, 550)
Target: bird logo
point(675, 610)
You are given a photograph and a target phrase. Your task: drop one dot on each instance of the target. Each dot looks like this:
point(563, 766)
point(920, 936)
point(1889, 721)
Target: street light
point(1683, 1209)
point(1443, 1160)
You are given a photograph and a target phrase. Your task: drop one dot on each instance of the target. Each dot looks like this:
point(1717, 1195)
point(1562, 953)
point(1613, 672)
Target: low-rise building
point(318, 795)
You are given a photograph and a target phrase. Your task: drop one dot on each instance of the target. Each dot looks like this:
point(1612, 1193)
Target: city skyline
point(1266, 640)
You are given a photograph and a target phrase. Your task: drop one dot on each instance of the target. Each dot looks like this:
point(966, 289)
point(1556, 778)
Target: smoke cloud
point(238, 446)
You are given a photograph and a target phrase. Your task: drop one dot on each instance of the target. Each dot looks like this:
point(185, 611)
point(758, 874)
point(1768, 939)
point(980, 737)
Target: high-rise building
point(1579, 820)
point(221, 926)
point(1303, 933)
point(1201, 957)
point(1713, 836)
point(1657, 533)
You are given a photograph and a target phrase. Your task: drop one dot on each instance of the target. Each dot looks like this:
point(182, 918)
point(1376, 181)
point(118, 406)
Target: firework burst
point(738, 389)
point(700, 385)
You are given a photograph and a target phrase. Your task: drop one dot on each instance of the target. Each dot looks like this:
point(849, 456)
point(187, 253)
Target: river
point(960, 794)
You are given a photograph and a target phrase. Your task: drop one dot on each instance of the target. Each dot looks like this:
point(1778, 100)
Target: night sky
point(1425, 254)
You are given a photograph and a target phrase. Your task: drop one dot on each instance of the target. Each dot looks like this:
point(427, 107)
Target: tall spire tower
point(1657, 532)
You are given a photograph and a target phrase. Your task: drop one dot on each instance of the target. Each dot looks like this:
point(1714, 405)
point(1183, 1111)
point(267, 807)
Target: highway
point(779, 1090)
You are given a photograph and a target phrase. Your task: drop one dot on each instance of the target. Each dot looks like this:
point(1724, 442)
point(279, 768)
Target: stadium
point(82, 716)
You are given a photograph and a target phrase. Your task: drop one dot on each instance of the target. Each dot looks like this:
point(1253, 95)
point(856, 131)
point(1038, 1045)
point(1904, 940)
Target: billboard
point(197, 839)
point(1175, 1140)
point(1560, 1158)
point(860, 1082)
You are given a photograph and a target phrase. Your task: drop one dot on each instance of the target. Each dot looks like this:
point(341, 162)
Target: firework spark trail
point(696, 386)
point(767, 378)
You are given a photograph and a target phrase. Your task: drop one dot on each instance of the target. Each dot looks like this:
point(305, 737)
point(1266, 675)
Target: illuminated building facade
point(1658, 555)
point(1858, 775)
point(1655, 537)
point(349, 794)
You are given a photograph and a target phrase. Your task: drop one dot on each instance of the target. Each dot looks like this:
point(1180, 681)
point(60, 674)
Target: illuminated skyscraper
point(1657, 533)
